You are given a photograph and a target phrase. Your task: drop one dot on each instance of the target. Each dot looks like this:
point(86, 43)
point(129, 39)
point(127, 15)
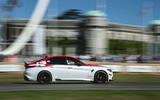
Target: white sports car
point(57, 68)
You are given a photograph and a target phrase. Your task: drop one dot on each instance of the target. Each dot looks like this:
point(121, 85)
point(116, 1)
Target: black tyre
point(100, 77)
point(44, 77)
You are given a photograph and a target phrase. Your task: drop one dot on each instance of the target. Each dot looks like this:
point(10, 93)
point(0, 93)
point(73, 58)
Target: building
point(93, 35)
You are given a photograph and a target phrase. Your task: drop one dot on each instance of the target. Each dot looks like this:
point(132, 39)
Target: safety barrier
point(115, 68)
point(11, 68)
point(133, 68)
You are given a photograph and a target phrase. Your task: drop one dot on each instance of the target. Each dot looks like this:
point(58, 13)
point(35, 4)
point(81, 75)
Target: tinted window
point(71, 61)
point(59, 61)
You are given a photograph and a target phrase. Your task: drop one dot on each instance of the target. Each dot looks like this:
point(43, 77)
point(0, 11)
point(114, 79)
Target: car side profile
point(64, 68)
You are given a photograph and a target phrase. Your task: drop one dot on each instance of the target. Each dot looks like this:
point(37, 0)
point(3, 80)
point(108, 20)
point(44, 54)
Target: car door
point(59, 68)
point(77, 70)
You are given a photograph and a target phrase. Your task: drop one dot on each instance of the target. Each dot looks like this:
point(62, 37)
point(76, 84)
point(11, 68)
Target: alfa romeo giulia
point(61, 68)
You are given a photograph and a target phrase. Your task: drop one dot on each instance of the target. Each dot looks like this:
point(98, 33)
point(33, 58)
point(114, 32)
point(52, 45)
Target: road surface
point(78, 86)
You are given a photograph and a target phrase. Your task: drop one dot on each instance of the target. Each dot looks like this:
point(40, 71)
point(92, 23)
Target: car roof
point(59, 57)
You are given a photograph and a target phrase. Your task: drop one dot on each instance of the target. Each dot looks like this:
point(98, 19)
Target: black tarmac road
point(78, 86)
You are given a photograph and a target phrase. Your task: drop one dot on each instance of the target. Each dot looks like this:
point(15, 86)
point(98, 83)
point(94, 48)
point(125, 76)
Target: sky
point(135, 12)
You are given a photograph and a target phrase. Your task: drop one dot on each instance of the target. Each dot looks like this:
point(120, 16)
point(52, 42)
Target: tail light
point(26, 65)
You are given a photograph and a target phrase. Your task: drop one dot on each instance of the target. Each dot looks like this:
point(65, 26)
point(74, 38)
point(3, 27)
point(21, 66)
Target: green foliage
point(61, 41)
point(81, 95)
point(127, 47)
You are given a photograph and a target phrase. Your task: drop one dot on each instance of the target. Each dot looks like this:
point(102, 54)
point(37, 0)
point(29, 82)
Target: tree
point(71, 14)
point(62, 42)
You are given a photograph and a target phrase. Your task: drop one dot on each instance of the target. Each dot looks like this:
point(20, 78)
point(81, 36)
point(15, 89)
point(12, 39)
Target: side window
point(59, 61)
point(71, 61)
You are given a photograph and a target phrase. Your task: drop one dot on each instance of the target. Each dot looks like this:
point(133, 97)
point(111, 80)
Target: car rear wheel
point(100, 77)
point(44, 77)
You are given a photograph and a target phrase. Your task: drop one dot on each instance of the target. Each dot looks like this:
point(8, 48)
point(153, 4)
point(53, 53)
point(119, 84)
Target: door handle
point(69, 67)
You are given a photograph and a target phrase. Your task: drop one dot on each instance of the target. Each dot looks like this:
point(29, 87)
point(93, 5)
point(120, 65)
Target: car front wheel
point(100, 77)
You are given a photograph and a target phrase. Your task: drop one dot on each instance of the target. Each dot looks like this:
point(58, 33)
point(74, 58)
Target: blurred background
point(96, 30)
point(123, 35)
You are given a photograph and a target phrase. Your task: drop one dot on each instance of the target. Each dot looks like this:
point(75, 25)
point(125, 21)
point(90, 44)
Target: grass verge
point(137, 77)
point(81, 95)
point(118, 77)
